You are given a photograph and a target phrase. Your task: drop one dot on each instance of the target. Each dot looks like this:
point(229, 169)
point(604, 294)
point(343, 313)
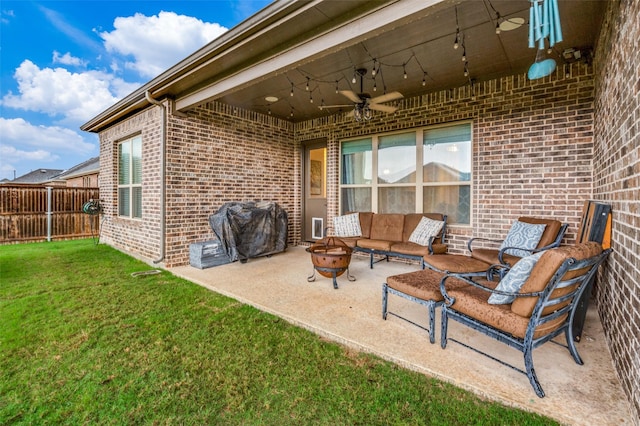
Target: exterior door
point(315, 189)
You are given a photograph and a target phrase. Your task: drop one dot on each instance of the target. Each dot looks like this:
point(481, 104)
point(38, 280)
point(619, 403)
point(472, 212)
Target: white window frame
point(131, 186)
point(419, 184)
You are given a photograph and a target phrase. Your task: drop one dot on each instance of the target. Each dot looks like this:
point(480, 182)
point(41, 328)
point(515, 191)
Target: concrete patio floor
point(351, 315)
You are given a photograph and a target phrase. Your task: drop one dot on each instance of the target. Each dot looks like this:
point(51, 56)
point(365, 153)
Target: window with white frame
point(423, 170)
point(130, 177)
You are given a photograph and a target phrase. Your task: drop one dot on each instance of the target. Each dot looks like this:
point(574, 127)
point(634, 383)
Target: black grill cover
point(248, 229)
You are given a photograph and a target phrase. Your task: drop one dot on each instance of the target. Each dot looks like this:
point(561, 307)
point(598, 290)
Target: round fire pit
point(330, 257)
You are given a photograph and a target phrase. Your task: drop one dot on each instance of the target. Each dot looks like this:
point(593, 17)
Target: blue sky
point(64, 62)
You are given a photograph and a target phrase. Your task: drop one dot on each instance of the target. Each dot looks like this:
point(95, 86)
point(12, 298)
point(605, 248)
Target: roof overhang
point(290, 43)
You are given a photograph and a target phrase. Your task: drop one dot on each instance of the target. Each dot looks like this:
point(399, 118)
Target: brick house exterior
point(616, 180)
point(540, 148)
point(83, 175)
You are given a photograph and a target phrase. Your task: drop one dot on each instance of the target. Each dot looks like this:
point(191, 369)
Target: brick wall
point(617, 182)
point(533, 144)
point(218, 154)
point(141, 238)
point(86, 181)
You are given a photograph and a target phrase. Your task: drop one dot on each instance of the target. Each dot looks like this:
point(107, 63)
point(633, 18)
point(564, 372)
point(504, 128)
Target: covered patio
point(238, 120)
point(351, 316)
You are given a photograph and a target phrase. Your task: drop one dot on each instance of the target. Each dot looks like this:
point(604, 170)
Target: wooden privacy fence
point(37, 213)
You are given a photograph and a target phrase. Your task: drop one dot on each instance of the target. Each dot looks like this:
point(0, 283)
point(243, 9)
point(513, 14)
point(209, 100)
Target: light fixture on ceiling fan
point(363, 103)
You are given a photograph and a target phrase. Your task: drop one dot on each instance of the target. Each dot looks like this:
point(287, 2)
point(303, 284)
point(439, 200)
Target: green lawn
point(82, 341)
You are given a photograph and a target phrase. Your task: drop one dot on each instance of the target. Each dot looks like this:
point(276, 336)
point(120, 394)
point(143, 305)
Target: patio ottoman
point(422, 287)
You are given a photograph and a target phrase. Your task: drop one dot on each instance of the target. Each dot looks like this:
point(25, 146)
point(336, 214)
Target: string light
point(307, 86)
point(404, 69)
point(292, 89)
point(337, 90)
point(456, 43)
point(424, 79)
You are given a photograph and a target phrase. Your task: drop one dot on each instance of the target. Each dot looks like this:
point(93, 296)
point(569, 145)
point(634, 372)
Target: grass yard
point(82, 341)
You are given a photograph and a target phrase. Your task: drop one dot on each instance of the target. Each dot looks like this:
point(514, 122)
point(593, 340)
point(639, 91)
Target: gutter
point(163, 160)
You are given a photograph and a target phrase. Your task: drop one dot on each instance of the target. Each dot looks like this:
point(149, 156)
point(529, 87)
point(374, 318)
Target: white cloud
point(67, 59)
point(6, 16)
point(25, 147)
point(158, 42)
point(22, 140)
point(74, 97)
point(75, 34)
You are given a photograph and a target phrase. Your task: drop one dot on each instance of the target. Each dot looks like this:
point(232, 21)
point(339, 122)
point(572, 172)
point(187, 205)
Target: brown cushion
point(350, 241)
point(550, 232)
point(544, 270)
point(490, 256)
point(456, 263)
point(412, 249)
point(411, 220)
point(439, 248)
point(387, 227)
point(365, 224)
point(423, 284)
point(382, 245)
point(473, 302)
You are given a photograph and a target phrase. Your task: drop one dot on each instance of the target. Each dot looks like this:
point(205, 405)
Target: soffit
point(418, 44)
point(321, 42)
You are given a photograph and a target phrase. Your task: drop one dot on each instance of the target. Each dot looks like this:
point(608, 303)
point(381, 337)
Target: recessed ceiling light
point(271, 99)
point(511, 24)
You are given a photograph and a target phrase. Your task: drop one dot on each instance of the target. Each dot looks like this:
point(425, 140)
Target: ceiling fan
point(364, 104)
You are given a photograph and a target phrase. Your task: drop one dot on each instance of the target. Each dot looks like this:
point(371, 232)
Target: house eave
point(160, 86)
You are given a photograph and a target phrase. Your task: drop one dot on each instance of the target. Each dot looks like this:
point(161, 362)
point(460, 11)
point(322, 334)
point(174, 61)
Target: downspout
point(163, 200)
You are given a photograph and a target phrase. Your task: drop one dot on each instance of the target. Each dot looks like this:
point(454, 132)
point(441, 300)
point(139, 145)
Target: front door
point(315, 189)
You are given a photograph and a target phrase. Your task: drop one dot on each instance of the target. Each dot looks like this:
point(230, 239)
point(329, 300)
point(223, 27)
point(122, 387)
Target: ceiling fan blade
point(383, 108)
point(387, 97)
point(351, 96)
point(335, 106)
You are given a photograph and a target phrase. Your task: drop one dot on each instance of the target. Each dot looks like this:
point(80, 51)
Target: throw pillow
point(523, 235)
point(347, 225)
point(425, 229)
point(515, 278)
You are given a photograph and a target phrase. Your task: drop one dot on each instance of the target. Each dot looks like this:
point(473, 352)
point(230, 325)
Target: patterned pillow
point(347, 225)
point(425, 229)
point(523, 235)
point(515, 278)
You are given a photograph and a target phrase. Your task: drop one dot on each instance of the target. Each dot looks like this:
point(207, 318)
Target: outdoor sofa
point(410, 236)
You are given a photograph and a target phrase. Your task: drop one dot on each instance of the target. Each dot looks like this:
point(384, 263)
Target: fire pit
point(330, 257)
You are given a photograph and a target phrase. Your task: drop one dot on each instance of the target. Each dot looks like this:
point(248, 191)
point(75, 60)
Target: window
point(357, 170)
point(425, 170)
point(130, 177)
point(447, 172)
point(397, 173)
